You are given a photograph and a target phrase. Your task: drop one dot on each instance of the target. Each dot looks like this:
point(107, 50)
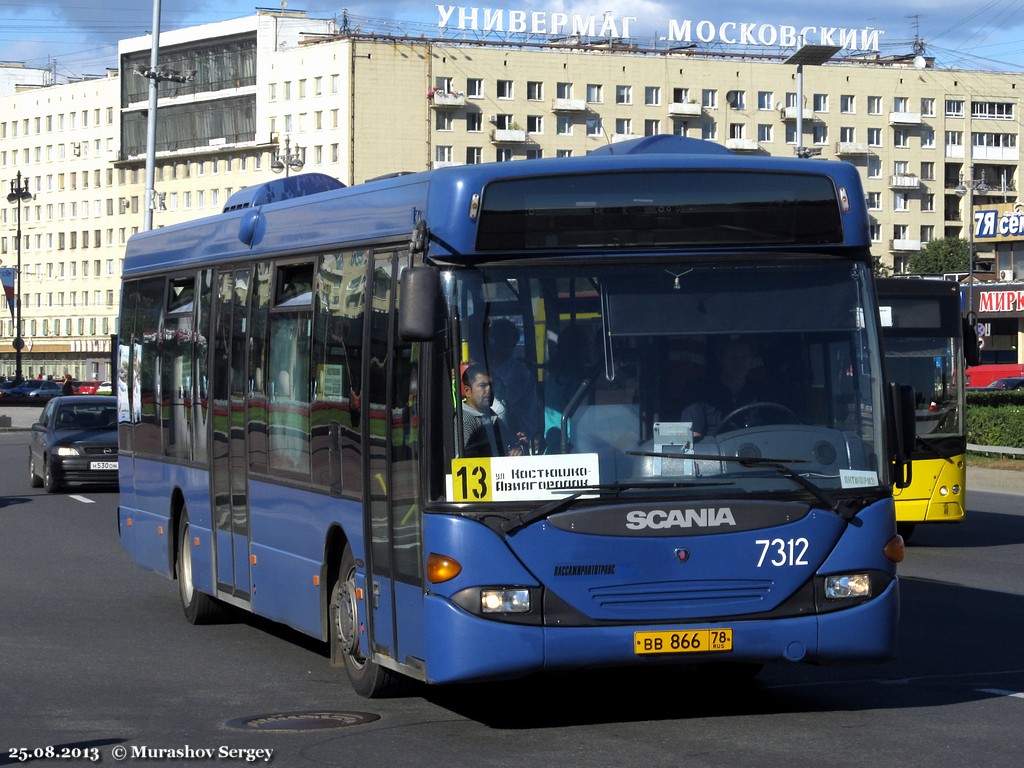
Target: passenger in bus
point(735, 382)
point(483, 432)
point(514, 384)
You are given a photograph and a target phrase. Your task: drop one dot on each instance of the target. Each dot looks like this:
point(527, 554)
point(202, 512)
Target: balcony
point(742, 145)
point(904, 245)
point(791, 113)
point(904, 181)
point(568, 105)
point(443, 100)
point(904, 118)
point(508, 136)
point(684, 109)
point(851, 148)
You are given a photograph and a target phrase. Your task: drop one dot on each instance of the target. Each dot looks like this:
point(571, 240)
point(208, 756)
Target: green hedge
point(996, 418)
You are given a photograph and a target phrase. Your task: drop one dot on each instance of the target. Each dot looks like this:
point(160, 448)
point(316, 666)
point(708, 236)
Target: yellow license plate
point(689, 641)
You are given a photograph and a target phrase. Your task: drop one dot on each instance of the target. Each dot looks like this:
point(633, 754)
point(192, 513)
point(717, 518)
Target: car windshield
point(619, 374)
point(86, 416)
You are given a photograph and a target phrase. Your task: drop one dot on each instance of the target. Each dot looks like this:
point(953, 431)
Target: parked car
point(85, 387)
point(105, 388)
point(1013, 382)
point(74, 441)
point(32, 391)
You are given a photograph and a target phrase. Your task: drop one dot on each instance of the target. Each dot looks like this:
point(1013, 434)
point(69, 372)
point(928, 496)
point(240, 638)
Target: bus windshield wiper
point(517, 522)
point(778, 464)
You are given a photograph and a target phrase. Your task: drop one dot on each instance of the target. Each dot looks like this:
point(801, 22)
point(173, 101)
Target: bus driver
point(484, 433)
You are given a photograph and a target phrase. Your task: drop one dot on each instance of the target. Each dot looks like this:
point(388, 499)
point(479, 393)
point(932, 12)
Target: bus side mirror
point(904, 430)
point(419, 294)
point(972, 351)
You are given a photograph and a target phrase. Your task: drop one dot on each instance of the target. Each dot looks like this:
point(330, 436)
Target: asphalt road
point(95, 657)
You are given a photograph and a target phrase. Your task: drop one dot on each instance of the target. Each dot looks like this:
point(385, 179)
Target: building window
point(442, 155)
point(927, 107)
point(563, 90)
point(623, 126)
point(594, 93)
point(847, 104)
point(709, 98)
point(534, 124)
point(623, 94)
point(534, 90)
point(442, 121)
point(954, 107)
point(709, 131)
point(475, 88)
point(593, 126)
point(901, 138)
point(928, 171)
point(821, 102)
point(900, 201)
point(848, 134)
point(927, 138)
point(765, 133)
point(474, 155)
point(652, 127)
point(874, 137)
point(874, 167)
point(992, 110)
point(765, 100)
point(505, 90)
point(874, 105)
point(652, 96)
point(474, 122)
point(564, 125)
point(874, 201)
point(819, 132)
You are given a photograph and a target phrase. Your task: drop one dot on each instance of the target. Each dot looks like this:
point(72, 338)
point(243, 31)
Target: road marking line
point(999, 692)
point(83, 499)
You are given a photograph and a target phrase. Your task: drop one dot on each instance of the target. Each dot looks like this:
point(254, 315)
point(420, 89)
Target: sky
point(79, 37)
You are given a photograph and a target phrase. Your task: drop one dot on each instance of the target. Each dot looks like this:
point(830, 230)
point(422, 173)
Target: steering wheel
point(764, 404)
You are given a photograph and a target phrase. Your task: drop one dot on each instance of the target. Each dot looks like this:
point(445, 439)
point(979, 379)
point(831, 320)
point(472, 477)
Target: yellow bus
point(928, 345)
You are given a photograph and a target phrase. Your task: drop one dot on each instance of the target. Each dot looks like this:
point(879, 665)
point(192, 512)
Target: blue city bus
point(304, 380)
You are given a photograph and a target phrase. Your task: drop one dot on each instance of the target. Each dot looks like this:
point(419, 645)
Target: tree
point(950, 254)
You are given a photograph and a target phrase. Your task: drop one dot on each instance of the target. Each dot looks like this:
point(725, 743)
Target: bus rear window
point(674, 208)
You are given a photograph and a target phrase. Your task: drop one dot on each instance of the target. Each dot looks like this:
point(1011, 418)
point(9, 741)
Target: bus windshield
point(665, 372)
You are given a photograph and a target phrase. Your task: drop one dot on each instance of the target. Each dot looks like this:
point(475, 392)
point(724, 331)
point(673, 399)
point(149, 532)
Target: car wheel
point(33, 477)
point(50, 482)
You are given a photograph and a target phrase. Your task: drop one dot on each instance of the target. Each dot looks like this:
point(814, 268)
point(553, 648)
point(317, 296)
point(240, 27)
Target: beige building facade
point(281, 93)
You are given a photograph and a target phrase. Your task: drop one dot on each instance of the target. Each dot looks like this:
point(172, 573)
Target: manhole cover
point(303, 721)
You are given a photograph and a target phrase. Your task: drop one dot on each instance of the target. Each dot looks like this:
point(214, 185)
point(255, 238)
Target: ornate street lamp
point(969, 187)
point(19, 193)
point(288, 161)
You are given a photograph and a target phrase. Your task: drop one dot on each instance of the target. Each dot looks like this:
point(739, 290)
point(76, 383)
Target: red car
point(85, 387)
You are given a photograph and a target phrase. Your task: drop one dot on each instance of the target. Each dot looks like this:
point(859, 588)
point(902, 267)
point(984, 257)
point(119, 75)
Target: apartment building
point(279, 92)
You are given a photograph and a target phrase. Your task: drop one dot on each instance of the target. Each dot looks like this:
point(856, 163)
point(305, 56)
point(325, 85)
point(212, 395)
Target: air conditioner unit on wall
point(1006, 275)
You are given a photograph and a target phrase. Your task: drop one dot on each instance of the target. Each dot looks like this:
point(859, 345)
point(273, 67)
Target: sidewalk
point(18, 417)
point(15, 418)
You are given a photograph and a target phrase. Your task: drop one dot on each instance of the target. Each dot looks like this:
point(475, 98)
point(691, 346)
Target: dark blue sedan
point(74, 441)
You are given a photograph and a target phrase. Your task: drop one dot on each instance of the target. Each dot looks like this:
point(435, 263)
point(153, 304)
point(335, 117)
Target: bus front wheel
point(368, 678)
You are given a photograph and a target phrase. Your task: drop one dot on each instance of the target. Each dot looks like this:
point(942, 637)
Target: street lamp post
point(19, 193)
point(969, 187)
point(288, 161)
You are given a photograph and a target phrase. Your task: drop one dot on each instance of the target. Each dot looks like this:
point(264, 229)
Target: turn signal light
point(895, 549)
point(441, 568)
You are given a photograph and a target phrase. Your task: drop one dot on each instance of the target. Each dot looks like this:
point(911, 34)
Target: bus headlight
point(505, 600)
point(845, 586)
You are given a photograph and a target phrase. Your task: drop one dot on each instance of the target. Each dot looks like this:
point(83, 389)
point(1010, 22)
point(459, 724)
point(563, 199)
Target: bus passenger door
point(228, 478)
point(395, 525)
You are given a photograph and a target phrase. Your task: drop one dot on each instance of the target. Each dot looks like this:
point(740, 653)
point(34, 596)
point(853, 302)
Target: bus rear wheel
point(368, 678)
point(199, 608)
